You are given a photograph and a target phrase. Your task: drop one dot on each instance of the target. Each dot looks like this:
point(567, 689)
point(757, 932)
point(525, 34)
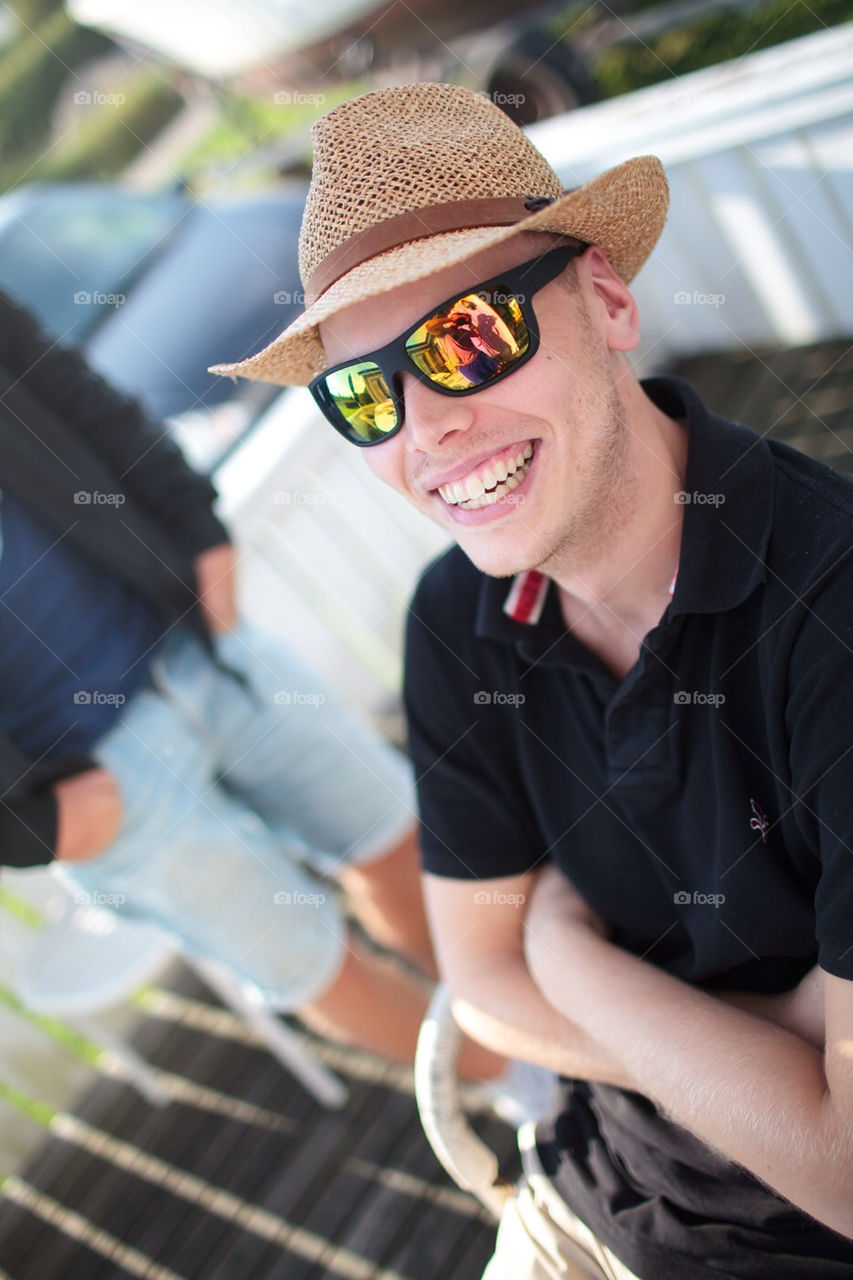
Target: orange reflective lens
point(471, 342)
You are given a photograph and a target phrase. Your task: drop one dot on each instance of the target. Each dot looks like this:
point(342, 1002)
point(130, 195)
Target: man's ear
point(612, 306)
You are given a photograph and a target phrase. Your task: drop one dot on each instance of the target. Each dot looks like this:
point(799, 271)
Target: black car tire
point(537, 77)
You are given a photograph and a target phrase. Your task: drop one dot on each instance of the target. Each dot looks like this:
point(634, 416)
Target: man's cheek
point(386, 464)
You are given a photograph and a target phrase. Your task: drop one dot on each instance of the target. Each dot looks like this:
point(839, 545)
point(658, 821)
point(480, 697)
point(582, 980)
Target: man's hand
point(215, 578)
point(89, 814)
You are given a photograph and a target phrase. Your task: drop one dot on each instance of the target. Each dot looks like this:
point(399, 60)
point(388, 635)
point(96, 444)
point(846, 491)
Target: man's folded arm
point(755, 1092)
point(477, 928)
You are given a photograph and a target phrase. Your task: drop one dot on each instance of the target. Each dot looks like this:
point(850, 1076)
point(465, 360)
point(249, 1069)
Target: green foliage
point(110, 136)
point(33, 70)
point(712, 38)
point(568, 24)
point(246, 124)
point(32, 12)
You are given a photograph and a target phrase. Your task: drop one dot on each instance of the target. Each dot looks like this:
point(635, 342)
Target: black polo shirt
point(702, 805)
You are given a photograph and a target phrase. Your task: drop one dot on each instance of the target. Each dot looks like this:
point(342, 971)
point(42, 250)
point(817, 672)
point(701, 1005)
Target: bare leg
point(375, 1005)
point(386, 896)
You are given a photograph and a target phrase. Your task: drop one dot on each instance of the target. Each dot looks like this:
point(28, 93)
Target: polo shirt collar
point(728, 513)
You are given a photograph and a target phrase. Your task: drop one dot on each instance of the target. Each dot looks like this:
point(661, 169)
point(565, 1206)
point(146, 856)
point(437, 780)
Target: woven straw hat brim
point(622, 212)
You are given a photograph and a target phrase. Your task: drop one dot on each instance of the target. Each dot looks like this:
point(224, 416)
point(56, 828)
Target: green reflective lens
point(359, 393)
point(471, 341)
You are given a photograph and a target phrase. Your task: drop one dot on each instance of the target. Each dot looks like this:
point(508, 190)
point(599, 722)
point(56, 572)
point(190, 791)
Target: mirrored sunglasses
point(467, 343)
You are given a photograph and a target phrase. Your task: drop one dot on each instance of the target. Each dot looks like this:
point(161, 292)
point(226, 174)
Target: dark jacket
point(63, 430)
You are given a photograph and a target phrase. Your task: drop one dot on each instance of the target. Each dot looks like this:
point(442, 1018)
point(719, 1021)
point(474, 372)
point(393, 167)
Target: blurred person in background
point(142, 742)
point(629, 692)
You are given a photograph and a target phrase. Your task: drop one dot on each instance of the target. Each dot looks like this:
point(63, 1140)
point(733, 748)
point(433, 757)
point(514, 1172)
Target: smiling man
point(629, 690)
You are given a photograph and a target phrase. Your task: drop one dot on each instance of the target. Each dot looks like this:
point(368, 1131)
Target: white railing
point(757, 250)
point(328, 554)
point(758, 247)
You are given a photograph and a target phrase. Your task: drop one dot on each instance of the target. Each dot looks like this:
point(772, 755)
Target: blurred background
point(154, 160)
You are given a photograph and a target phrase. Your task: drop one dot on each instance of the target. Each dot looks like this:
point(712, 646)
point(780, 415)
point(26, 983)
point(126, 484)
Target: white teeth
point(475, 487)
point(495, 483)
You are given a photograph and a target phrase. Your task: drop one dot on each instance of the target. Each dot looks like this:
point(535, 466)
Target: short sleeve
point(476, 822)
point(820, 727)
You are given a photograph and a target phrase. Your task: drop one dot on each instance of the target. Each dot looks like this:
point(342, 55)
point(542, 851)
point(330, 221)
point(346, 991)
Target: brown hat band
point(417, 224)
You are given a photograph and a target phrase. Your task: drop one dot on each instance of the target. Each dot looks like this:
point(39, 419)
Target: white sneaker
point(524, 1094)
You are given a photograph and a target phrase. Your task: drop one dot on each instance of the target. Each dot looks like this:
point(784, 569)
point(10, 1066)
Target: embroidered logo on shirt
point(760, 822)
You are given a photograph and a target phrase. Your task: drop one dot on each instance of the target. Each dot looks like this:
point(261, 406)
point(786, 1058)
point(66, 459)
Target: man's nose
point(431, 418)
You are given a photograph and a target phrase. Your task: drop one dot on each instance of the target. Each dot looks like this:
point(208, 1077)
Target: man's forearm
point(753, 1091)
point(503, 1009)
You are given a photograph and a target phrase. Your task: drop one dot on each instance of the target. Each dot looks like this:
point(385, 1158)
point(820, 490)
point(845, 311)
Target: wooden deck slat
point(294, 1189)
point(244, 1170)
point(800, 396)
point(279, 1175)
point(157, 1220)
point(387, 1218)
point(428, 1237)
point(344, 1191)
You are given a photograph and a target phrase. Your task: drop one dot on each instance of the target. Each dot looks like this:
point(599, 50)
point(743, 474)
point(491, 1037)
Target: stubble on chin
point(577, 535)
point(604, 502)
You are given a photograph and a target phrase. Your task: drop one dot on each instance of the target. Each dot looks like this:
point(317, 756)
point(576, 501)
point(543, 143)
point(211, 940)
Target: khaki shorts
point(539, 1238)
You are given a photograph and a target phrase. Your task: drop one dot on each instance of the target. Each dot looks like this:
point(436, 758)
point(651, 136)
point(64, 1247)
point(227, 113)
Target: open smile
point(491, 480)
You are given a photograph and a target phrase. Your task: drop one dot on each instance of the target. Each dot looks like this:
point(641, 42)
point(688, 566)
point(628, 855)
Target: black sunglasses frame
point(393, 359)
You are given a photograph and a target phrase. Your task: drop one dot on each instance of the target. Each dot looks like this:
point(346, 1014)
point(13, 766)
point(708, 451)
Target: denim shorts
point(236, 791)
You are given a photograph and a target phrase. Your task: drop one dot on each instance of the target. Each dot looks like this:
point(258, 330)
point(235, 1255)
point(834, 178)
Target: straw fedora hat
point(413, 179)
